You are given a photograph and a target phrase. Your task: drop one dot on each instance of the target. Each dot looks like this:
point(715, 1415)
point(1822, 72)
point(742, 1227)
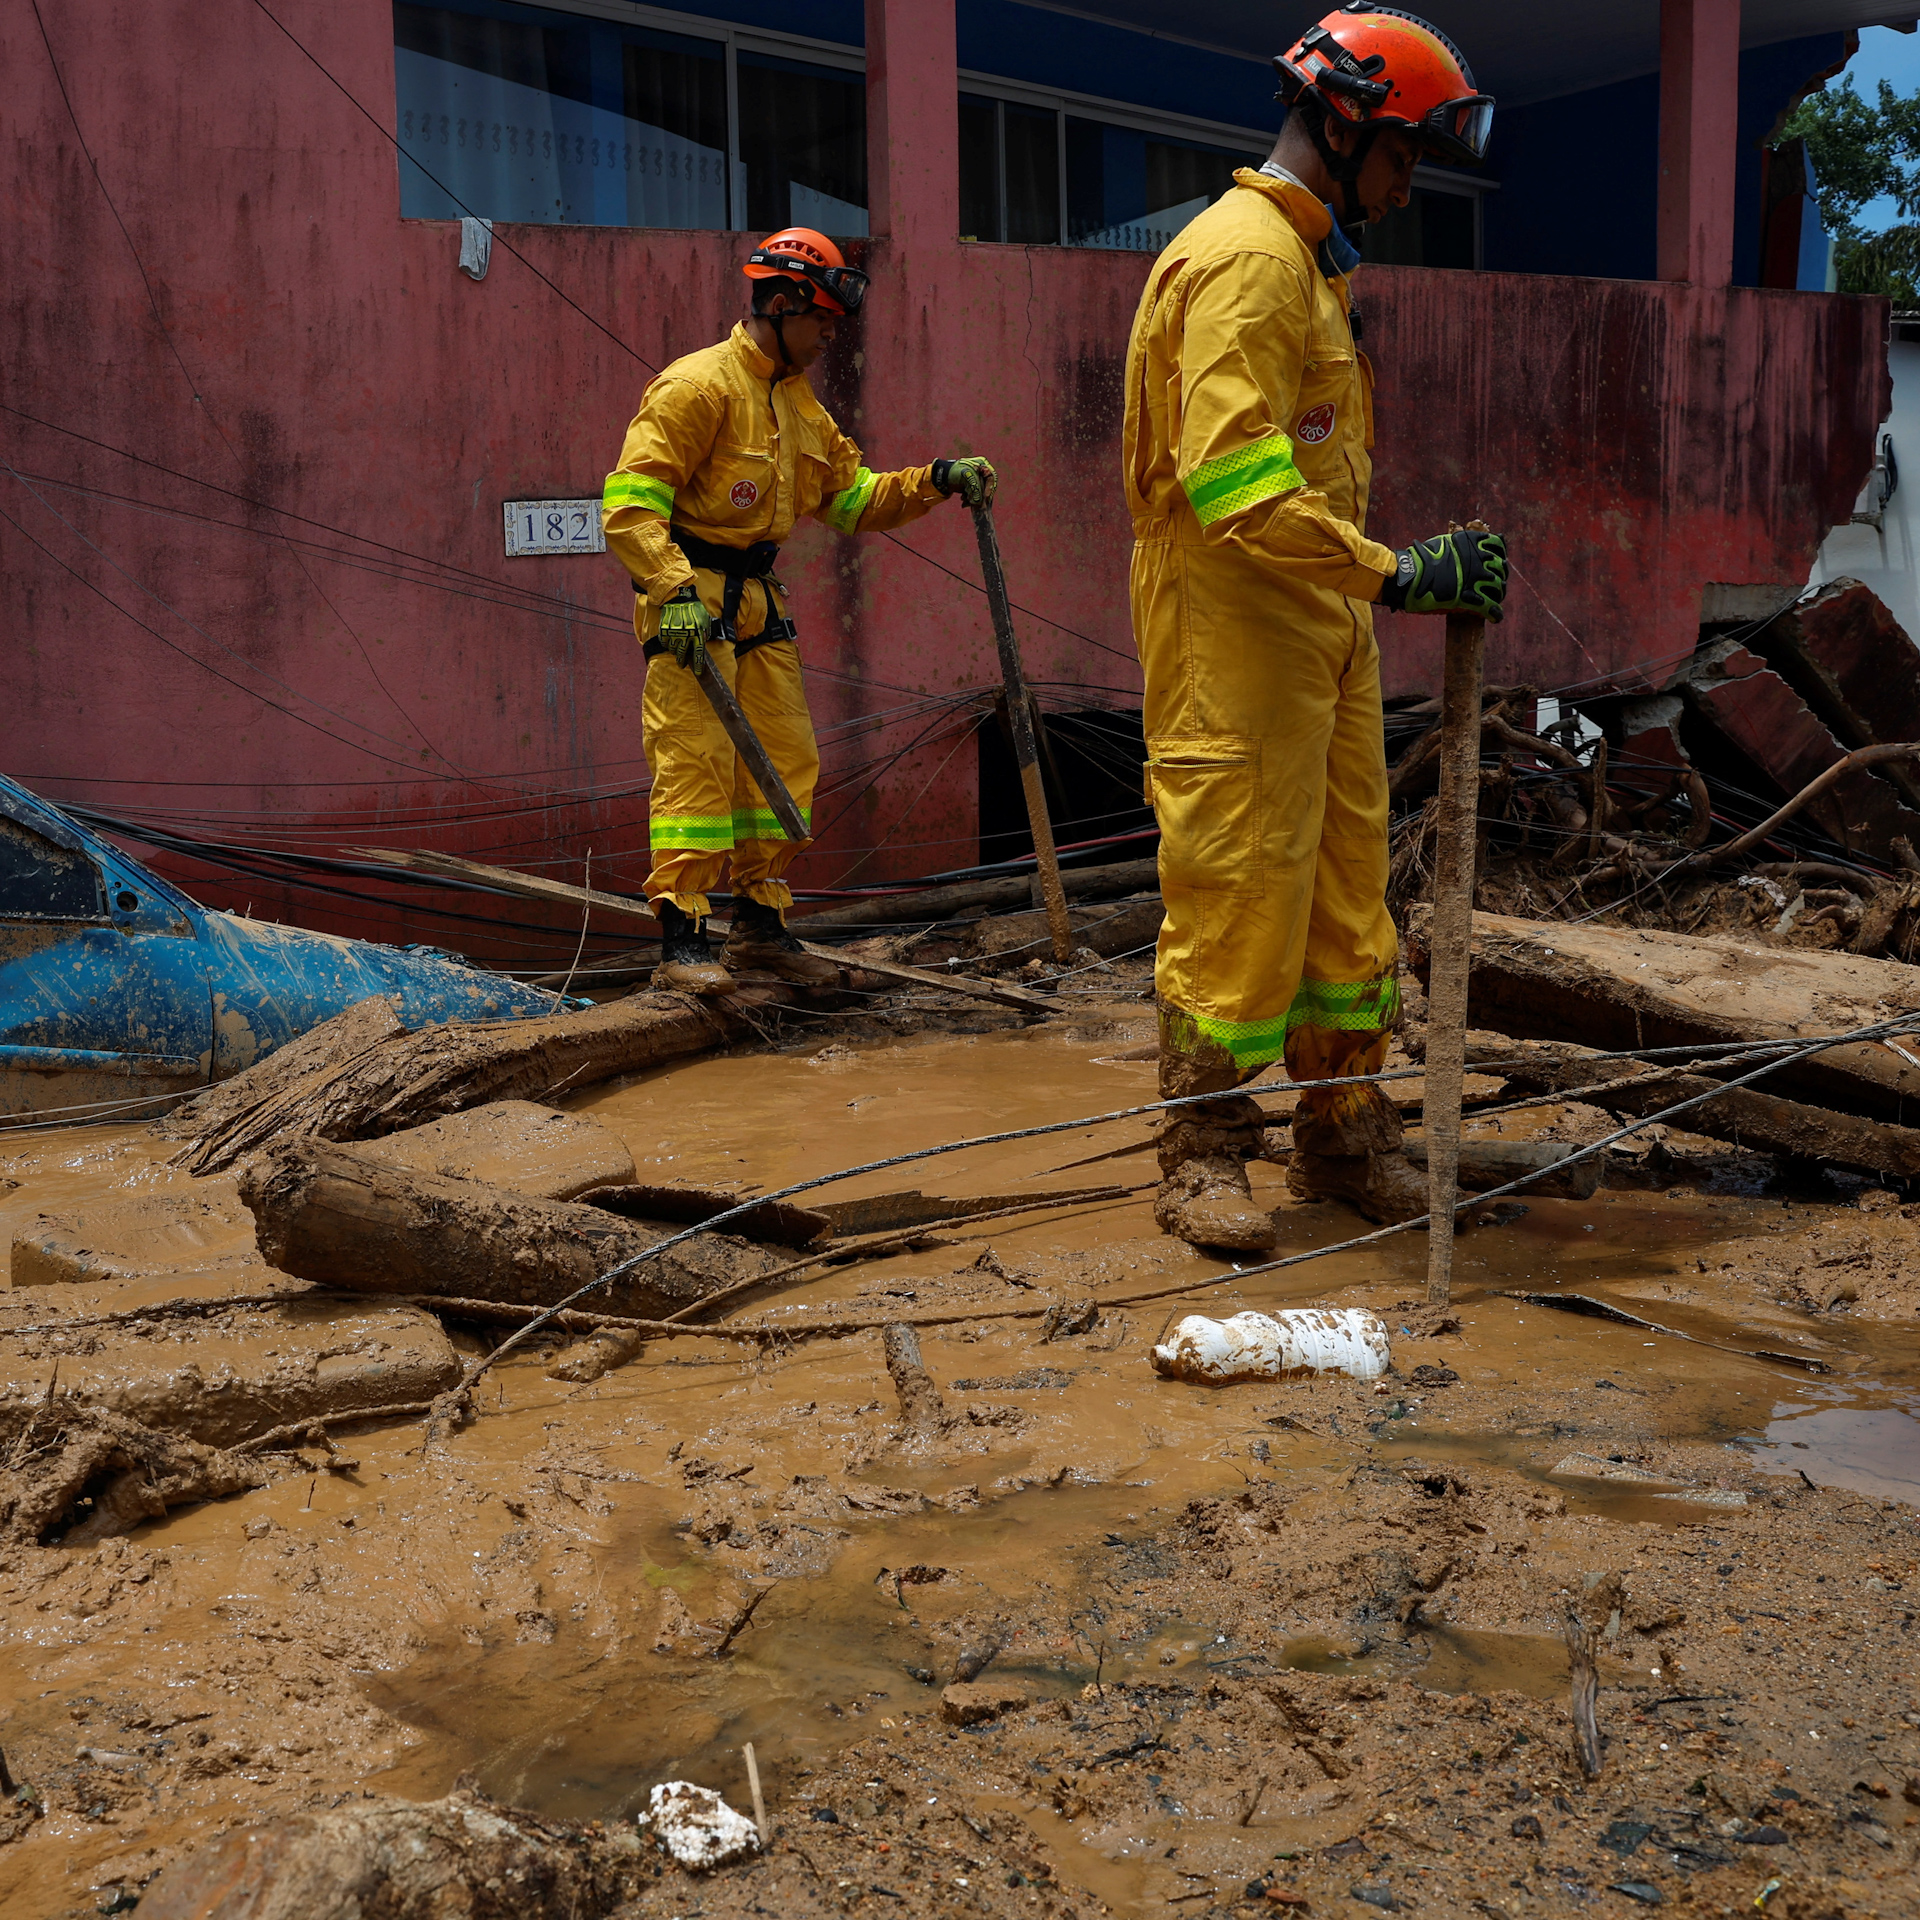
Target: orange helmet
point(798, 253)
point(1378, 66)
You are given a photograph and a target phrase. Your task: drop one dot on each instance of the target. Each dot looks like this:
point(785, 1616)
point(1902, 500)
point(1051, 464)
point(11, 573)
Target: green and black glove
point(685, 628)
point(972, 479)
point(1459, 572)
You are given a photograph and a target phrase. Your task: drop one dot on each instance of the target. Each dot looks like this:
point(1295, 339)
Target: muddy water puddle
point(502, 1600)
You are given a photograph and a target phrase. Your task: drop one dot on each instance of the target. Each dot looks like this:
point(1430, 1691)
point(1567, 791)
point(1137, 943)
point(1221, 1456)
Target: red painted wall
point(285, 336)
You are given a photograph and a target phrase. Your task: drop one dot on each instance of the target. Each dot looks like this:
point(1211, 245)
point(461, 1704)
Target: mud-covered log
point(1744, 1117)
point(337, 1216)
point(403, 1861)
point(1629, 988)
point(404, 1080)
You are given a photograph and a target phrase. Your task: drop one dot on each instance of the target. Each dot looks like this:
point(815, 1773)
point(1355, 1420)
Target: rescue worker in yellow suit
point(1248, 424)
point(730, 447)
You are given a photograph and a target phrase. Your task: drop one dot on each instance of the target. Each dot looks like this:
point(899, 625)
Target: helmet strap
point(1343, 169)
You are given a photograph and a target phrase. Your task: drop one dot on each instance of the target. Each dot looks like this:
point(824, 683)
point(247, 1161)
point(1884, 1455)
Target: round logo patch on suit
point(1315, 426)
point(745, 493)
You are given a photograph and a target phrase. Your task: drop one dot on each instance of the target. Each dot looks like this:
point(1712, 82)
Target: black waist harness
point(737, 565)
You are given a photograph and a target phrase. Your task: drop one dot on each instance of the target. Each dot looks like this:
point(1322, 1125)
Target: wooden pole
point(1455, 833)
point(1025, 749)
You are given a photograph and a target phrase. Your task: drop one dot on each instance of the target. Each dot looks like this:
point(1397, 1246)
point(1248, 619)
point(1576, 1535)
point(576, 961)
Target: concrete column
point(1699, 126)
point(913, 122)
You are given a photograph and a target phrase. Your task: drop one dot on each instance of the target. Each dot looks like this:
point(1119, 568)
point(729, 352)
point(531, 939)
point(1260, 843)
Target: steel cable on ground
point(1786, 1053)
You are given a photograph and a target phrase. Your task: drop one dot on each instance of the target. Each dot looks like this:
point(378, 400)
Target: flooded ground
point(1305, 1637)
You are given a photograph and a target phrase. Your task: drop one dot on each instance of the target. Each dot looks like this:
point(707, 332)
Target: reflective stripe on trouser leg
point(1273, 843)
point(690, 809)
point(773, 698)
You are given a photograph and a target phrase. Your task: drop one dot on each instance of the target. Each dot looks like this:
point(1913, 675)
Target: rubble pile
point(1640, 807)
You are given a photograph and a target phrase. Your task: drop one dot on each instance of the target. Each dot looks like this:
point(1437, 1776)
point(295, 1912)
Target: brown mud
point(1272, 1647)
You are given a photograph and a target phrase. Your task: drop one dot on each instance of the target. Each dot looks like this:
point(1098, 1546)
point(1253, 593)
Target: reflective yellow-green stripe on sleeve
point(1261, 470)
point(842, 513)
point(636, 490)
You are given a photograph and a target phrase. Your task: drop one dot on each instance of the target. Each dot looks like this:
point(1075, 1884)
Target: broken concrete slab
point(515, 1144)
point(222, 1377)
point(1842, 651)
point(1630, 988)
point(335, 1216)
point(203, 1237)
point(1772, 726)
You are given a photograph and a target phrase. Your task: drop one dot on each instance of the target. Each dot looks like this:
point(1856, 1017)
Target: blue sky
point(1895, 58)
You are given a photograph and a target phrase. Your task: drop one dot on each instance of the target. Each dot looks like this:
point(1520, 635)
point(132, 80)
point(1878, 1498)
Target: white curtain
point(509, 151)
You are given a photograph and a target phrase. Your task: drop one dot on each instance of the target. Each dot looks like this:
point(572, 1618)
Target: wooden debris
point(923, 1407)
point(406, 1080)
point(333, 1215)
point(1745, 1116)
point(961, 983)
point(1619, 988)
point(518, 1145)
point(1587, 1618)
point(778, 1221)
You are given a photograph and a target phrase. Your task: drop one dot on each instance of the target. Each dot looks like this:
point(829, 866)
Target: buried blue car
point(118, 993)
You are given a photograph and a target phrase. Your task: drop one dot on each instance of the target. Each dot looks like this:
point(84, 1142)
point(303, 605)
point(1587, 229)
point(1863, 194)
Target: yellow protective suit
point(1248, 424)
point(731, 452)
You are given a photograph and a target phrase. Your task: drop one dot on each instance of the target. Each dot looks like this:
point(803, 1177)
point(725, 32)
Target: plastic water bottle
point(1260, 1346)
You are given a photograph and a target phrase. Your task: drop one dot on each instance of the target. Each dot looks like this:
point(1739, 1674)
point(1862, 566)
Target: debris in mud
point(73, 1474)
point(404, 1861)
point(697, 1827)
point(339, 1217)
point(1258, 1346)
point(225, 1375)
point(970, 1703)
point(408, 1079)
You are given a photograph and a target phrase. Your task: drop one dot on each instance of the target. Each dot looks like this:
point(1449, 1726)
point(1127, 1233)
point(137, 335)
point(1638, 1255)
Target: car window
point(40, 881)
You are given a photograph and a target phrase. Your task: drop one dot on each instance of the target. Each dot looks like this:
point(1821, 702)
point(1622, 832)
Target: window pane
point(676, 103)
point(515, 114)
point(1129, 189)
point(1033, 176)
point(979, 169)
point(803, 145)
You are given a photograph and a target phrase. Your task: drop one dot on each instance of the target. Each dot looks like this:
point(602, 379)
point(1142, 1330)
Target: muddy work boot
point(1347, 1147)
point(1386, 1187)
point(687, 964)
point(1204, 1196)
point(761, 943)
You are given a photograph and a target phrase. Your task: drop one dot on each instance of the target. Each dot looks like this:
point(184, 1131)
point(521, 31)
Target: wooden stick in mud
point(1451, 938)
point(1586, 1617)
point(753, 1787)
point(1020, 719)
point(923, 1407)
